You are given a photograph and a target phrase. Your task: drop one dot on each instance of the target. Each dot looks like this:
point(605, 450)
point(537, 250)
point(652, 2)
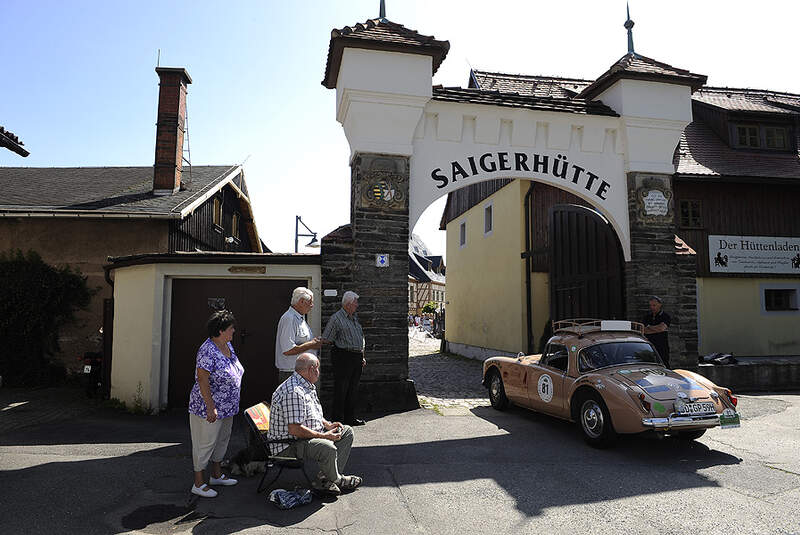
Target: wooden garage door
point(257, 304)
point(585, 265)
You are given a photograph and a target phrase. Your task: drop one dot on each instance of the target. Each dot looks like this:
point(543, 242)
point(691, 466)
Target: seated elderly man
point(296, 412)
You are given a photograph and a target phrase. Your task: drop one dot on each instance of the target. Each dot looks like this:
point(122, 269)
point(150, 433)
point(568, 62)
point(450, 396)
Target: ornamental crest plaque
point(653, 200)
point(383, 190)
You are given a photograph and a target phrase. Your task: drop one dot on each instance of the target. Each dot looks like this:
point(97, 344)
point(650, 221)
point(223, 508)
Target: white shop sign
point(754, 254)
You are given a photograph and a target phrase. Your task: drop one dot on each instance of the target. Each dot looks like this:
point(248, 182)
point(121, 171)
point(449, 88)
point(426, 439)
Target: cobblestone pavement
point(447, 383)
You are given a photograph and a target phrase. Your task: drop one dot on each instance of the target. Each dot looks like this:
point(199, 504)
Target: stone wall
point(661, 266)
point(379, 226)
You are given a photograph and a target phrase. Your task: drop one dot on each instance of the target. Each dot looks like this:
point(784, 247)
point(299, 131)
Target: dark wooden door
point(585, 265)
point(257, 305)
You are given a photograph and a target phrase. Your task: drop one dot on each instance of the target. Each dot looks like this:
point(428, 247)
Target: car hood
point(659, 383)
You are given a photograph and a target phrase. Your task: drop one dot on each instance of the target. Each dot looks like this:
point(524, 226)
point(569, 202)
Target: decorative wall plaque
point(655, 203)
point(382, 189)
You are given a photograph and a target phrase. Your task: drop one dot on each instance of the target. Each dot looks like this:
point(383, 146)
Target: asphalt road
point(469, 471)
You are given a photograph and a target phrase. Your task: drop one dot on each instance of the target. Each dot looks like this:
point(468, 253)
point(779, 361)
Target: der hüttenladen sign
point(754, 254)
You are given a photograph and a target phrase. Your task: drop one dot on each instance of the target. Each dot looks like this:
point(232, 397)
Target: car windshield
point(614, 353)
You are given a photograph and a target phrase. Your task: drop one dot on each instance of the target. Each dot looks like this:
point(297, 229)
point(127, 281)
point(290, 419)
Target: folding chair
point(258, 418)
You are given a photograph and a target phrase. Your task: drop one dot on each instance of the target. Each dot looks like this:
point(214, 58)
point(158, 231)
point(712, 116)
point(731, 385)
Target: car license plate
point(696, 408)
point(87, 368)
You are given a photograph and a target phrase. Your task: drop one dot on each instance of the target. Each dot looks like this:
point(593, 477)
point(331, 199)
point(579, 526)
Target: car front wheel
point(497, 393)
point(594, 422)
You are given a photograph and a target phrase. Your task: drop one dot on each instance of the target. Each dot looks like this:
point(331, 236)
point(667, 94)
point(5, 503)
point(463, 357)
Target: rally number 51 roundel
point(545, 388)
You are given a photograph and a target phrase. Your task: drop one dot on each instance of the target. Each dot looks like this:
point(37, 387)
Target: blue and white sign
point(382, 260)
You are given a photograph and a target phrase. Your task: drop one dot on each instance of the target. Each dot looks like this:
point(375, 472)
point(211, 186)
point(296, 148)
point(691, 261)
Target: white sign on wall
point(754, 254)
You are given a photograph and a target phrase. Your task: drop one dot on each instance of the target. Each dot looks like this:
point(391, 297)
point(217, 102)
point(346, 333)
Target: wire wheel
point(497, 393)
point(592, 419)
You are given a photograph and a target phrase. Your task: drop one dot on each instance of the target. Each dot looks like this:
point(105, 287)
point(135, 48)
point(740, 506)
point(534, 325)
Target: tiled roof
point(749, 100)
point(536, 86)
point(12, 142)
point(513, 100)
point(102, 190)
point(380, 34)
point(701, 152)
point(638, 67)
point(682, 248)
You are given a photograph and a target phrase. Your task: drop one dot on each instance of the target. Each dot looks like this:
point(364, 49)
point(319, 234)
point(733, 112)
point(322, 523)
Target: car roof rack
point(583, 326)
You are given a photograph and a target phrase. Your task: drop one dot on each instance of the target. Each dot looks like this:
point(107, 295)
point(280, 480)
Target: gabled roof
point(637, 67)
point(107, 191)
point(421, 265)
point(12, 142)
point(523, 84)
point(380, 34)
point(702, 152)
point(749, 100)
point(513, 100)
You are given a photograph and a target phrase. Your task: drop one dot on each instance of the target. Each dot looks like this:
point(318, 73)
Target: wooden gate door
point(257, 304)
point(585, 265)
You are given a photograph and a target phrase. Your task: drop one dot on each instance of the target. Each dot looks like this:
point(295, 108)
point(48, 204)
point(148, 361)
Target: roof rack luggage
point(582, 326)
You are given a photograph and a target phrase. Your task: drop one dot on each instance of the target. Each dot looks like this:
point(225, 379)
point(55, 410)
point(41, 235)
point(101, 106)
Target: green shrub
point(429, 308)
point(36, 300)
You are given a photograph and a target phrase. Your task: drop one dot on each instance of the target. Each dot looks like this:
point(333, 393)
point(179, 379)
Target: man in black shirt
point(656, 324)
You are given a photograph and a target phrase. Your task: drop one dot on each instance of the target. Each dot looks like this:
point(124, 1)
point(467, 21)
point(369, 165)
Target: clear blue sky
point(80, 90)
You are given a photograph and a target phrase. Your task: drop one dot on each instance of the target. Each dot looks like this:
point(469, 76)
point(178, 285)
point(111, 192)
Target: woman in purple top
point(213, 402)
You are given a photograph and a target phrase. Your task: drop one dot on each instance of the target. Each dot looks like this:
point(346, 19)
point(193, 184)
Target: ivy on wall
point(36, 300)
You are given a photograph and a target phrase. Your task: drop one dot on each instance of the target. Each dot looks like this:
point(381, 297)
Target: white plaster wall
point(142, 316)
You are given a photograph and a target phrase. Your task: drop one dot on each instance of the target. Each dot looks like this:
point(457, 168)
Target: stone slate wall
point(379, 225)
point(658, 267)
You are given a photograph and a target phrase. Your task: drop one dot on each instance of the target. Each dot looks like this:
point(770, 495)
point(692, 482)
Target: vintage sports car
point(605, 376)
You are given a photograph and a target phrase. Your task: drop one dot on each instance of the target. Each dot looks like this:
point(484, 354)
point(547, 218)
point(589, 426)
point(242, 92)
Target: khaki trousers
point(209, 441)
point(330, 456)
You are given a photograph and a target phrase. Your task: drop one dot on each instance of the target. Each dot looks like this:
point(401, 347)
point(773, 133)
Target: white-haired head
point(349, 297)
point(304, 361)
point(301, 292)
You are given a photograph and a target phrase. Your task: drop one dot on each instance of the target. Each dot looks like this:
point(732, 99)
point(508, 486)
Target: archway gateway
point(610, 145)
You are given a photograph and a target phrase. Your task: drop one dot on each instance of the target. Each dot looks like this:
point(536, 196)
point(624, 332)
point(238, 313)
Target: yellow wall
point(137, 335)
point(486, 278)
point(540, 304)
point(732, 320)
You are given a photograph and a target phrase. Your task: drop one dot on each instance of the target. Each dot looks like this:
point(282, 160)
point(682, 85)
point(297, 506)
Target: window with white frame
point(462, 234)
point(488, 219)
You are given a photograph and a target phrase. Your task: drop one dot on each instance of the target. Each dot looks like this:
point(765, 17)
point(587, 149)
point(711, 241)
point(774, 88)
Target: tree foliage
point(36, 300)
point(429, 308)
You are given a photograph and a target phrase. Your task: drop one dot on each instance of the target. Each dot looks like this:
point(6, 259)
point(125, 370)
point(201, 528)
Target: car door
point(546, 381)
point(513, 374)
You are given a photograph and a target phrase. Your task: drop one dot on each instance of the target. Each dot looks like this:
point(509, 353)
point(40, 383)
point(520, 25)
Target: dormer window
point(747, 136)
point(776, 137)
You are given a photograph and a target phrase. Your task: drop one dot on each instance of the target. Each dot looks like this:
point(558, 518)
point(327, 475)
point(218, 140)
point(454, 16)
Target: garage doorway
point(257, 304)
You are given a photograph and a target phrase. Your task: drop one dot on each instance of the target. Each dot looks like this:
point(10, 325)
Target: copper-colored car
point(607, 377)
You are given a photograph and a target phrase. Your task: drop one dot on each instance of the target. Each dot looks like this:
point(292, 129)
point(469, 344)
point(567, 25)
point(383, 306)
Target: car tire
point(691, 435)
point(594, 421)
point(497, 392)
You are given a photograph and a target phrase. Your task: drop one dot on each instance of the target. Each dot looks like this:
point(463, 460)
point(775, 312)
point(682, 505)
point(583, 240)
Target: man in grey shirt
point(344, 331)
point(294, 334)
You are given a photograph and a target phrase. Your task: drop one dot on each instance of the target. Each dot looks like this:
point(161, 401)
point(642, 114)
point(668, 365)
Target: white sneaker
point(207, 493)
point(224, 481)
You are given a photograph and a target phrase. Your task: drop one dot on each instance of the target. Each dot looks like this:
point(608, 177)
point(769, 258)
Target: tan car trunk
point(660, 383)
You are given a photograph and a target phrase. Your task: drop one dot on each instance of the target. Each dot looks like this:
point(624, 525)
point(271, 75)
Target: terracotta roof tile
point(514, 100)
point(380, 34)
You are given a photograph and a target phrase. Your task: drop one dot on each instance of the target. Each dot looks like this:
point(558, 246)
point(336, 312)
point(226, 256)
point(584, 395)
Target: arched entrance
point(611, 147)
point(586, 269)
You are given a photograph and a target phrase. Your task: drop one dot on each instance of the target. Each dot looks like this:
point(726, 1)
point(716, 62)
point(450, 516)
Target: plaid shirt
point(294, 402)
point(345, 331)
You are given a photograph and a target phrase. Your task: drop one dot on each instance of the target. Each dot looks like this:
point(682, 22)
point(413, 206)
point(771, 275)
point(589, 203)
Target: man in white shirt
point(294, 335)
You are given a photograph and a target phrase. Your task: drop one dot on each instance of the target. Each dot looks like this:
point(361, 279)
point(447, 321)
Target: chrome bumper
point(678, 422)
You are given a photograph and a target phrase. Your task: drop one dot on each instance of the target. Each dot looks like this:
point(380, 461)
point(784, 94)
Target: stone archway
point(412, 143)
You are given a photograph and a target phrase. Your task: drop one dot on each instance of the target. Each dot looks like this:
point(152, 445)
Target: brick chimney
point(169, 129)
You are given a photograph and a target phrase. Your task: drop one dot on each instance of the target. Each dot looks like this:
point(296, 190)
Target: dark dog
point(250, 460)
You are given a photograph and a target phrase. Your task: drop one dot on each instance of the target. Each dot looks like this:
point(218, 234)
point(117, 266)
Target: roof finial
point(629, 27)
point(382, 14)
